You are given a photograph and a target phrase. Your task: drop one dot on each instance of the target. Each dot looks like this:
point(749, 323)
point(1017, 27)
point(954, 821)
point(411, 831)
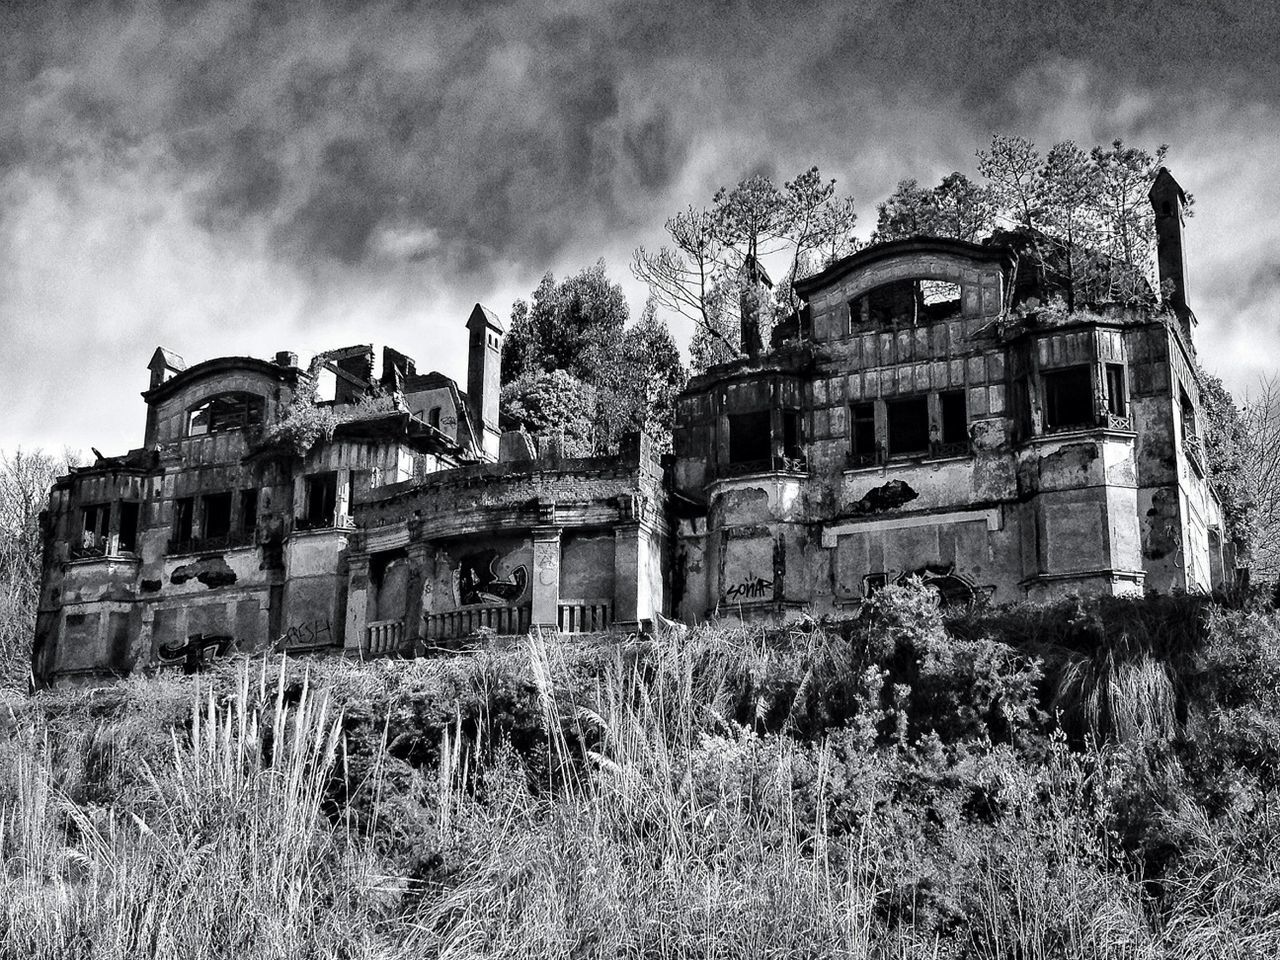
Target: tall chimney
point(1168, 201)
point(484, 377)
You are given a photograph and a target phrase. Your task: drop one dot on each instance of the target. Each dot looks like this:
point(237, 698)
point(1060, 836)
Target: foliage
point(720, 792)
point(553, 407)
point(572, 325)
point(712, 272)
point(306, 421)
point(955, 208)
point(1227, 447)
point(627, 375)
point(25, 479)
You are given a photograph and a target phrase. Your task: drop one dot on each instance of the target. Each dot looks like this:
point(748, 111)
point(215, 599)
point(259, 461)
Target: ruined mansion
point(907, 422)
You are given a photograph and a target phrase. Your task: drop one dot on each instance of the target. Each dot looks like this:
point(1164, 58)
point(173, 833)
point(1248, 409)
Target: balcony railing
point(451, 624)
point(584, 616)
point(765, 465)
point(91, 547)
point(341, 521)
point(383, 637)
point(226, 541)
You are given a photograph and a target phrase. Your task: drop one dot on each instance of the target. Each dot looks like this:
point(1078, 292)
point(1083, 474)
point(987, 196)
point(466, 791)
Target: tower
point(484, 377)
point(1168, 201)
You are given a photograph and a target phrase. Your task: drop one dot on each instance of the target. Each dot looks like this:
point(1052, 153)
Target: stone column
point(632, 592)
point(421, 556)
point(546, 577)
point(358, 596)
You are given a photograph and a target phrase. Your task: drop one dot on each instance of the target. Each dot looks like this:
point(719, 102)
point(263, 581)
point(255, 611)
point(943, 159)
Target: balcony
point(501, 619)
point(90, 548)
point(341, 522)
point(383, 637)
point(584, 616)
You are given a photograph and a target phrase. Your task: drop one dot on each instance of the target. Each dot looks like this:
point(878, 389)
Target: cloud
point(243, 176)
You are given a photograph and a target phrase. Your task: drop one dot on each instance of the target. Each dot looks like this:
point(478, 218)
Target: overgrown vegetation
point(1074, 780)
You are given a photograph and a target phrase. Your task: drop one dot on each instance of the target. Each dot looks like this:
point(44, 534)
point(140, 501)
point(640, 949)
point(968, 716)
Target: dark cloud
point(228, 166)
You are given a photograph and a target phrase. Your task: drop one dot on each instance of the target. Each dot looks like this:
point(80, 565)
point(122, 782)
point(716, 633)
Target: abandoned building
point(911, 422)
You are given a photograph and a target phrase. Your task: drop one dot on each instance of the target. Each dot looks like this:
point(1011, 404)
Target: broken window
point(227, 411)
point(248, 511)
point(749, 437)
point(97, 523)
point(1068, 398)
point(216, 509)
point(906, 303)
point(862, 434)
point(433, 417)
point(182, 519)
point(954, 409)
point(792, 447)
point(322, 499)
point(1117, 402)
point(872, 583)
point(908, 425)
point(128, 527)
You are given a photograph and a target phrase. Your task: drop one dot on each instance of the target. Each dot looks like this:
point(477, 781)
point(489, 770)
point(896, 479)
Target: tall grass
point(721, 793)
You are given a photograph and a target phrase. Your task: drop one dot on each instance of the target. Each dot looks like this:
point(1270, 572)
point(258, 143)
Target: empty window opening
point(322, 498)
point(433, 417)
point(97, 520)
point(248, 511)
point(216, 508)
point(1189, 431)
point(749, 436)
point(907, 303)
point(228, 411)
point(792, 445)
point(128, 527)
point(873, 583)
point(1068, 398)
point(862, 432)
point(954, 409)
point(908, 425)
point(1117, 402)
point(182, 519)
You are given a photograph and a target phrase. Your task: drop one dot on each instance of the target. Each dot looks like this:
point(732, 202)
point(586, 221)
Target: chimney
point(1168, 201)
point(286, 358)
point(484, 377)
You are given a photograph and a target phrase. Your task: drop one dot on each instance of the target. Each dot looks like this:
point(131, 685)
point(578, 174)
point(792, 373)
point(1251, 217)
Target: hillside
point(1077, 780)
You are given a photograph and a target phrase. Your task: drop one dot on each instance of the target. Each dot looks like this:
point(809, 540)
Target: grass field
point(1058, 782)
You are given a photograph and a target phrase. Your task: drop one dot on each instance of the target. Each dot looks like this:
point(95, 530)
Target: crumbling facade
point(413, 523)
point(918, 425)
point(910, 422)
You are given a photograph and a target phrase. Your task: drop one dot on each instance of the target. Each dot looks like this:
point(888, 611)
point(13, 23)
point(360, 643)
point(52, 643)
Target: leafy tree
point(1070, 184)
point(956, 208)
point(1227, 449)
point(572, 325)
point(1014, 169)
point(553, 405)
point(712, 272)
point(638, 390)
point(1125, 218)
point(25, 479)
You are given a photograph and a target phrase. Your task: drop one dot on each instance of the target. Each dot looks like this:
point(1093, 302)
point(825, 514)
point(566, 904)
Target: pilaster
point(546, 577)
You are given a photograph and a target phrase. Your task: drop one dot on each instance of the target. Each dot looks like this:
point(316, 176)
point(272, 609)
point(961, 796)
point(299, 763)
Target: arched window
point(226, 411)
point(906, 303)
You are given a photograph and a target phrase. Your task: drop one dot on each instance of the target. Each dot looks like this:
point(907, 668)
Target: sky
point(238, 177)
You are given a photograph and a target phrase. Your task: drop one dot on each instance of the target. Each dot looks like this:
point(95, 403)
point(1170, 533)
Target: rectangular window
point(248, 511)
point(216, 508)
point(792, 446)
point(1068, 398)
point(749, 437)
point(908, 426)
point(128, 527)
point(1189, 431)
point(433, 417)
point(954, 408)
point(1117, 402)
point(97, 520)
point(322, 498)
point(182, 519)
point(862, 433)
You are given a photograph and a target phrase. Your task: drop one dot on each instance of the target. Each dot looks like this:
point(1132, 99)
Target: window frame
point(1052, 384)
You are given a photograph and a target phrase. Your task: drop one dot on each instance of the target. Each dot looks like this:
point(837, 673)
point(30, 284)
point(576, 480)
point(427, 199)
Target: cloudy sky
point(243, 177)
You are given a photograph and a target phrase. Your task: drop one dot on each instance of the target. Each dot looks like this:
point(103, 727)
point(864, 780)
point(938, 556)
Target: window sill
point(1077, 433)
point(209, 545)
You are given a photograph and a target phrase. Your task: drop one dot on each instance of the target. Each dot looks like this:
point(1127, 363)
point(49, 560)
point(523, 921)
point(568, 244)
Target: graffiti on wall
point(191, 654)
point(750, 588)
point(478, 580)
point(309, 635)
